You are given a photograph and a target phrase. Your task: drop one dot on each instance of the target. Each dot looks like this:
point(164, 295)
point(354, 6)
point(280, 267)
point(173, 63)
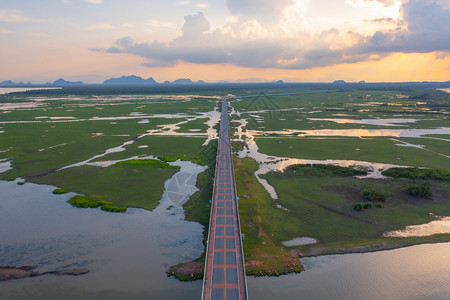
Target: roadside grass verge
point(262, 223)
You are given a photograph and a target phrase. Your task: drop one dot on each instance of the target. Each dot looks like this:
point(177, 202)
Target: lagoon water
point(128, 255)
point(418, 272)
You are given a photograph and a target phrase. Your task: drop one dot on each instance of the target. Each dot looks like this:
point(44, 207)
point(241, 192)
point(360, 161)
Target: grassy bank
point(321, 206)
point(124, 185)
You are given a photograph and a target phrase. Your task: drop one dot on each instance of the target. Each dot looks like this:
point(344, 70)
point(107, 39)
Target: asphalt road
point(224, 270)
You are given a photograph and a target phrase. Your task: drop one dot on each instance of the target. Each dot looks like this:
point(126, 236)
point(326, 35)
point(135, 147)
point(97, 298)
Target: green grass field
point(320, 206)
point(381, 150)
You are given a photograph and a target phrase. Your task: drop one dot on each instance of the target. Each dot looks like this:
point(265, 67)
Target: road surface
point(224, 269)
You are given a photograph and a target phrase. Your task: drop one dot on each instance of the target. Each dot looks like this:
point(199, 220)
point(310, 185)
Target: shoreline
point(15, 273)
point(186, 271)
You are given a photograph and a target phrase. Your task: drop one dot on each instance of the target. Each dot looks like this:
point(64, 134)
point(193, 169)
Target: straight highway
point(224, 267)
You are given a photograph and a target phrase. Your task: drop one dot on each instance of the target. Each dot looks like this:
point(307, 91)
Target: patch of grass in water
point(82, 201)
point(59, 191)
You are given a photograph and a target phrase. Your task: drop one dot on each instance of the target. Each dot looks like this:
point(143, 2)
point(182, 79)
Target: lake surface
point(129, 253)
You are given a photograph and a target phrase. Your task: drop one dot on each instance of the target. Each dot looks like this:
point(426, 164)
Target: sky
point(225, 40)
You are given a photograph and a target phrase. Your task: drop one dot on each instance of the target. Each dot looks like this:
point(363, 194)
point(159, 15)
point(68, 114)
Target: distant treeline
point(420, 91)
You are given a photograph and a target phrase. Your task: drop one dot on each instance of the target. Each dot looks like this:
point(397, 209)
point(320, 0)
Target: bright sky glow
point(233, 40)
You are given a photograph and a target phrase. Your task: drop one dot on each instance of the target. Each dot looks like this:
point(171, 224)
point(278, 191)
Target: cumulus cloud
point(258, 7)
point(247, 43)
point(247, 48)
point(427, 30)
point(361, 2)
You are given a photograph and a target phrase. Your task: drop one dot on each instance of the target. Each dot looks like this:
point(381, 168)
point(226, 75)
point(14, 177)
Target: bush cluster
point(358, 206)
point(318, 169)
point(421, 190)
point(374, 195)
point(417, 173)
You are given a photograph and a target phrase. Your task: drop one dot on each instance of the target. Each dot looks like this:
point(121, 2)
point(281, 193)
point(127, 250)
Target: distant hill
point(12, 83)
point(184, 81)
point(62, 82)
point(129, 80)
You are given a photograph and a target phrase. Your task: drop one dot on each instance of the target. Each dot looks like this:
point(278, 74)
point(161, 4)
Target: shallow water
point(299, 241)
point(377, 122)
point(412, 133)
point(269, 163)
point(5, 165)
point(18, 90)
point(439, 226)
point(125, 252)
point(418, 272)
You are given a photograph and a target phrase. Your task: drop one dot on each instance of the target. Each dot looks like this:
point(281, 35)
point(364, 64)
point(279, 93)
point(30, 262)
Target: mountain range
point(131, 80)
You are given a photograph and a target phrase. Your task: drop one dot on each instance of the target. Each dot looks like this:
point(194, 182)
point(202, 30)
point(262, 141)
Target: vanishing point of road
point(224, 268)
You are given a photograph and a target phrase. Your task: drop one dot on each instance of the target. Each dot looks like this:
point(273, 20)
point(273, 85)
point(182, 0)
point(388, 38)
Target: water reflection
point(126, 253)
point(439, 226)
point(269, 163)
point(377, 122)
point(356, 132)
point(418, 272)
point(299, 241)
point(4, 91)
point(5, 165)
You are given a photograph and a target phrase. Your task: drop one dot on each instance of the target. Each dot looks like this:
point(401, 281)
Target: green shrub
point(59, 191)
point(374, 195)
point(367, 205)
point(421, 190)
point(21, 182)
point(142, 162)
point(418, 173)
point(358, 206)
point(318, 169)
point(379, 205)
